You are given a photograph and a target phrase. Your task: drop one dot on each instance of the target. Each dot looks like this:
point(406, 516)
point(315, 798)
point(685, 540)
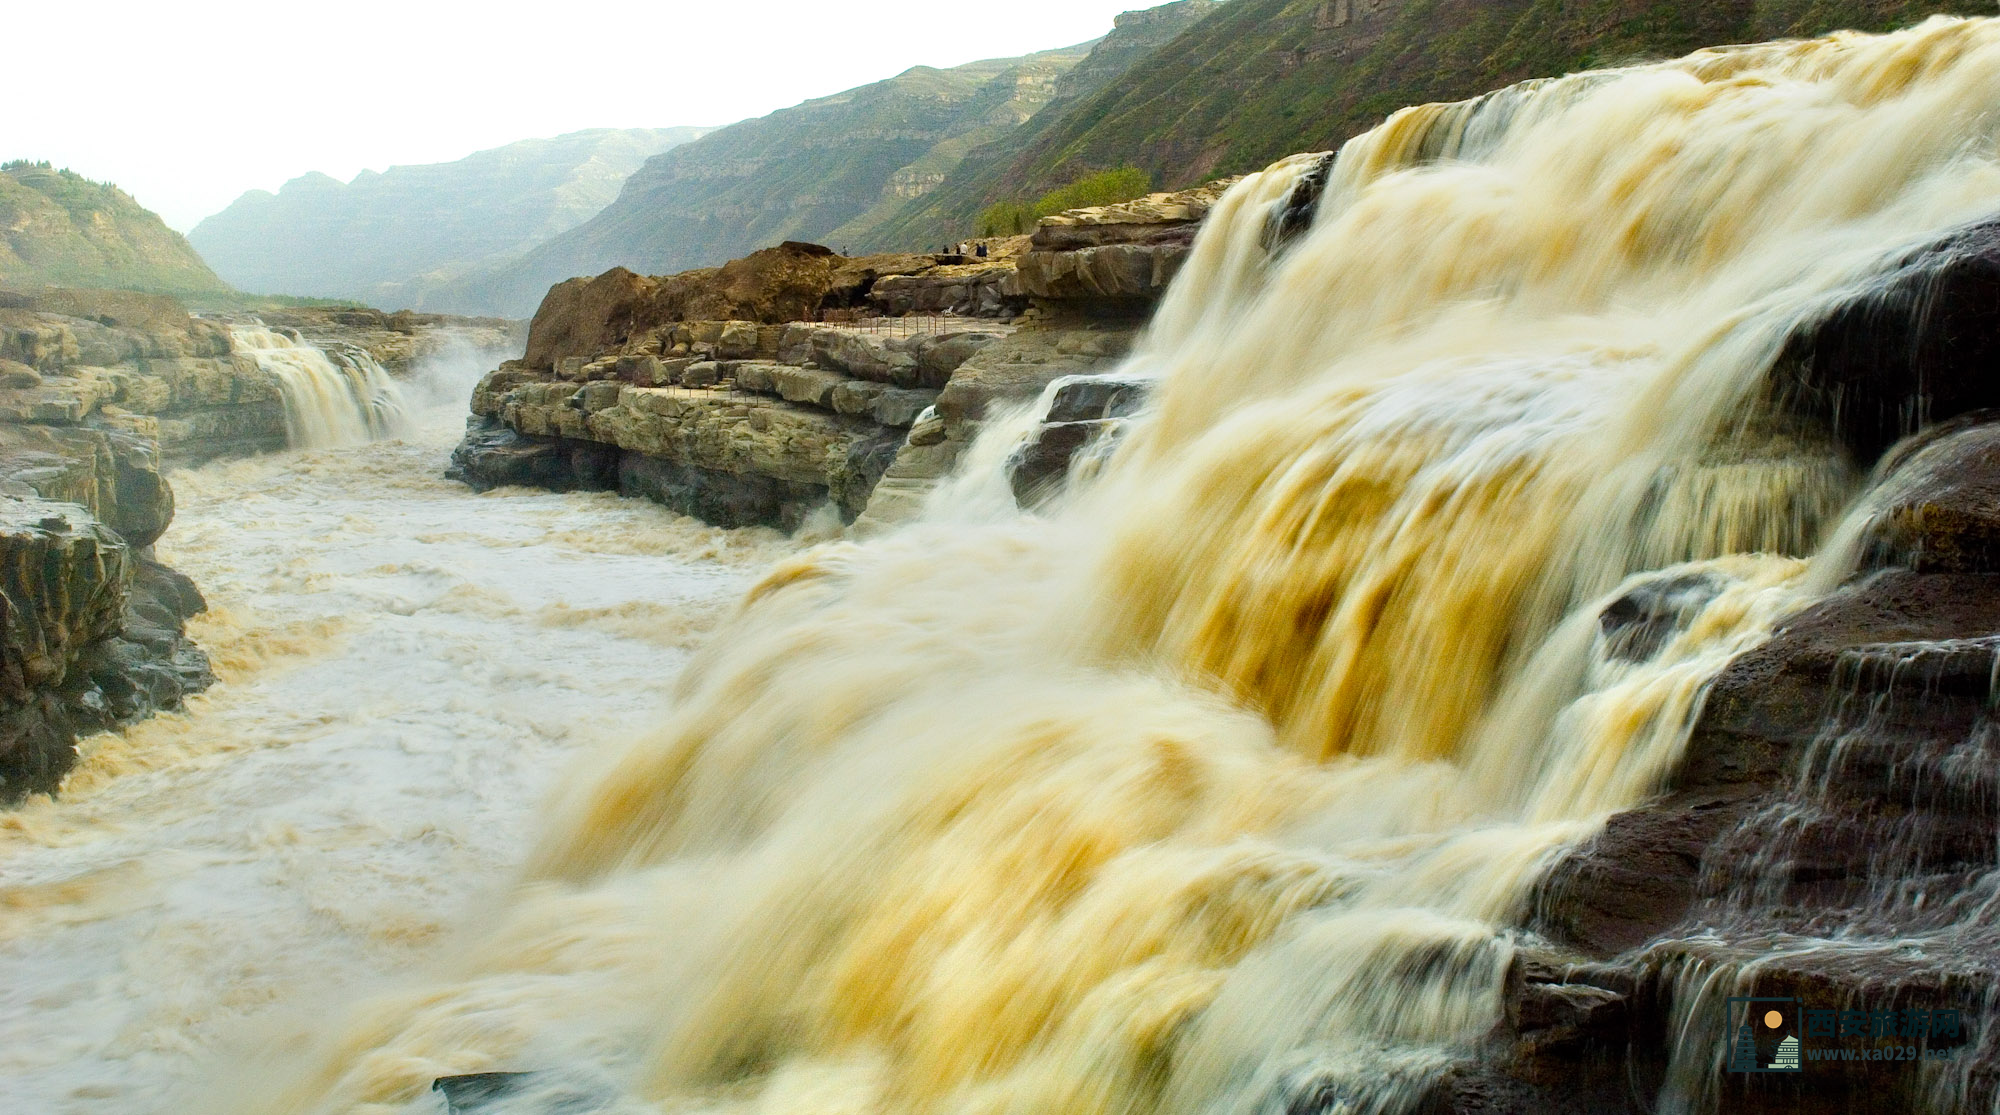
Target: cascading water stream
point(332, 398)
point(1220, 788)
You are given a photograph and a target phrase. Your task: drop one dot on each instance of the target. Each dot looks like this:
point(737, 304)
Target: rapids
point(1217, 789)
point(404, 669)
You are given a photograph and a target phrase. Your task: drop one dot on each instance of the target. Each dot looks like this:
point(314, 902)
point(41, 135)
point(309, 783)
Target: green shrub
point(1104, 188)
point(1012, 218)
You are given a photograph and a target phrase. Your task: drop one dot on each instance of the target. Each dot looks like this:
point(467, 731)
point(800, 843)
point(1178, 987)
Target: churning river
point(405, 668)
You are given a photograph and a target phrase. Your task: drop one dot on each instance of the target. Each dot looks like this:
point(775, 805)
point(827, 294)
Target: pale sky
point(186, 105)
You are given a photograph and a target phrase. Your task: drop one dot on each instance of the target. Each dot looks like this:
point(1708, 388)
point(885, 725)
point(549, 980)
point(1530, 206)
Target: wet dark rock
point(1041, 466)
point(1917, 347)
point(1086, 398)
point(1944, 514)
point(1301, 205)
point(938, 358)
point(1636, 625)
point(725, 499)
point(518, 1093)
point(1829, 834)
point(92, 636)
point(1083, 412)
point(492, 455)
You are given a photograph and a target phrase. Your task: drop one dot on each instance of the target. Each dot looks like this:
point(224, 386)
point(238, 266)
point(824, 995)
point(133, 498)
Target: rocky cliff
point(101, 360)
point(393, 238)
point(61, 229)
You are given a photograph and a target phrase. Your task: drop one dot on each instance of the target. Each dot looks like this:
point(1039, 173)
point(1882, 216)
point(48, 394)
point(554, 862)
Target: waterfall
point(337, 397)
point(1220, 788)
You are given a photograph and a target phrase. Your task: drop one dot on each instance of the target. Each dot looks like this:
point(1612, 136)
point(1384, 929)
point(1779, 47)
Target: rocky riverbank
point(790, 379)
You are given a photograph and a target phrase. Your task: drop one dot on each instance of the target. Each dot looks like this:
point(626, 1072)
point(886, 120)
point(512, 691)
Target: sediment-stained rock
point(398, 341)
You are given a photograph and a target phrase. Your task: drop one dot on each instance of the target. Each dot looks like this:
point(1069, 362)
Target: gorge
point(1499, 617)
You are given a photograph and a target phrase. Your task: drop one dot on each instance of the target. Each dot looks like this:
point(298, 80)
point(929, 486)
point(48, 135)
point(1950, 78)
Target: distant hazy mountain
point(62, 229)
point(827, 170)
point(389, 238)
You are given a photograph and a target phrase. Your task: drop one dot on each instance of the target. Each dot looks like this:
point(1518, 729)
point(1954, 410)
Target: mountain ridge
point(386, 237)
point(823, 169)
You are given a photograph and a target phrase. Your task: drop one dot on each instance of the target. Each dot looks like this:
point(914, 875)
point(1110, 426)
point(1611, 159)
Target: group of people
point(966, 248)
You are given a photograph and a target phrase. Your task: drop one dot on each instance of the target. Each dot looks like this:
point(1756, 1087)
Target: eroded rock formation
point(722, 393)
point(1828, 836)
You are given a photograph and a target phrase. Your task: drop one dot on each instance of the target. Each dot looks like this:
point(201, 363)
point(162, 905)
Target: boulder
point(939, 357)
point(901, 406)
point(737, 340)
point(811, 386)
point(857, 396)
point(1941, 513)
point(15, 375)
point(861, 355)
point(1041, 465)
point(590, 316)
point(788, 282)
point(1114, 259)
point(1084, 398)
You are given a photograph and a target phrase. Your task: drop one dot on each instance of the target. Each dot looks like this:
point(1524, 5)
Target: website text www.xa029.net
point(1882, 1053)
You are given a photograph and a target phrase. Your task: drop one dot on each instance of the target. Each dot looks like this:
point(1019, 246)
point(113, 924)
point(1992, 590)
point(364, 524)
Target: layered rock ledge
point(401, 341)
point(789, 379)
point(111, 361)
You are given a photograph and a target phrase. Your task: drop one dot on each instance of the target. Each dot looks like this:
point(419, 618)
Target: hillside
point(62, 229)
point(389, 238)
point(940, 214)
point(1260, 79)
point(825, 170)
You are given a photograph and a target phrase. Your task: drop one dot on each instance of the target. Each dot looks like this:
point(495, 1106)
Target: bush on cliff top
point(1012, 218)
